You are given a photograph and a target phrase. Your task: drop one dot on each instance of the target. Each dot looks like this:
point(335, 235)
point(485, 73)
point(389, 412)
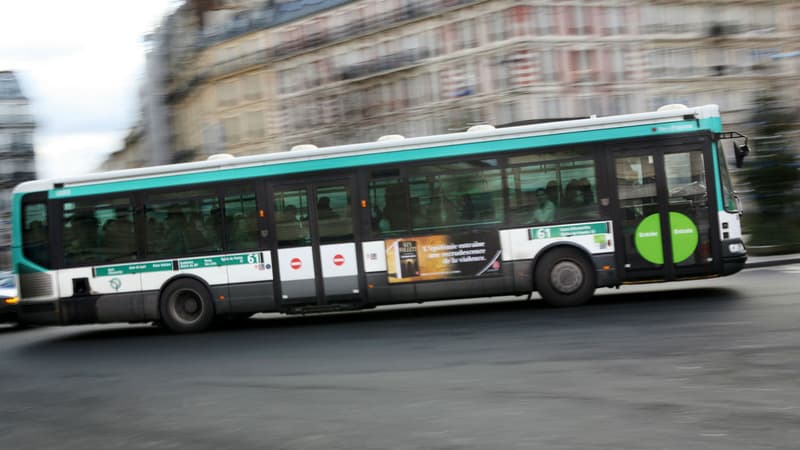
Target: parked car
point(8, 298)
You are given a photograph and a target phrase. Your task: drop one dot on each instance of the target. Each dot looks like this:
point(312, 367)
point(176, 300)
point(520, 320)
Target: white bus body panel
point(374, 256)
point(525, 243)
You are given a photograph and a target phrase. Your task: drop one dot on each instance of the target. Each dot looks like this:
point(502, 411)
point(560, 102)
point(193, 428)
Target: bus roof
point(386, 146)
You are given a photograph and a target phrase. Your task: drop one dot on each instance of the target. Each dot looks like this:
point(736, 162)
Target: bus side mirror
point(740, 153)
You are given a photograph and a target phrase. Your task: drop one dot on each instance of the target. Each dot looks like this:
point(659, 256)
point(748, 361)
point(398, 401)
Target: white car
point(8, 298)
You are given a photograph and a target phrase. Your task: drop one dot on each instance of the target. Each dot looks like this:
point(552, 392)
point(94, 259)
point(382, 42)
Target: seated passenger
point(544, 211)
point(290, 230)
point(324, 210)
point(245, 233)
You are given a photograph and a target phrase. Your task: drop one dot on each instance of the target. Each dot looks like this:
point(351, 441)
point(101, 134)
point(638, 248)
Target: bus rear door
point(316, 252)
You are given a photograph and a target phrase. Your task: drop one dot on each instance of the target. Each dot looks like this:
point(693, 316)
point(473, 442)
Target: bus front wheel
point(565, 277)
point(186, 306)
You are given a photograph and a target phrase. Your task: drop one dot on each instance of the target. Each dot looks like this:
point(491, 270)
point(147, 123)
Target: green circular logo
point(647, 239)
point(683, 235)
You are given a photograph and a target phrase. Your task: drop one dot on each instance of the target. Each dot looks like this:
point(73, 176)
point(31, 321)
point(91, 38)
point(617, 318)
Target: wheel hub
point(188, 306)
point(566, 277)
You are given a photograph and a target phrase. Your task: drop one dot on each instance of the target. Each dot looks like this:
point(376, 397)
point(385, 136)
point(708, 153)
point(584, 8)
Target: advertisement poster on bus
point(443, 256)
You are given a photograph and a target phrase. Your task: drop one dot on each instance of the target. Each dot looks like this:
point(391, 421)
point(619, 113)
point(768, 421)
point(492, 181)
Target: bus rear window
point(34, 233)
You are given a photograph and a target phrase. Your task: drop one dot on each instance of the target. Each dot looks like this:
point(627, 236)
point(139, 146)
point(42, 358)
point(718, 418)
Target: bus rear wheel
point(186, 307)
point(565, 277)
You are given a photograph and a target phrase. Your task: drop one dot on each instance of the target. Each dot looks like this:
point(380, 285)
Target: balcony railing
point(242, 62)
point(384, 63)
point(410, 11)
point(263, 19)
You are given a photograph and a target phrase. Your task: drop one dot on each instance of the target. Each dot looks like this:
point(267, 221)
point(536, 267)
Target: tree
point(773, 175)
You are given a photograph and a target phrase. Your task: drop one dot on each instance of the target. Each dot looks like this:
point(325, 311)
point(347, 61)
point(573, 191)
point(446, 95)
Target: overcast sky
point(80, 63)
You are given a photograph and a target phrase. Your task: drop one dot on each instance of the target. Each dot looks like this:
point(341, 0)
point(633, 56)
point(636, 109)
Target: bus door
point(663, 213)
point(316, 252)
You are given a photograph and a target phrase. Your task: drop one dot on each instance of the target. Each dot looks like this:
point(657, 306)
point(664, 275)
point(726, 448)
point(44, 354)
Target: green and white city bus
point(559, 208)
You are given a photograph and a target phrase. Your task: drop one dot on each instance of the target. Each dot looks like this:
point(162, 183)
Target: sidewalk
point(773, 260)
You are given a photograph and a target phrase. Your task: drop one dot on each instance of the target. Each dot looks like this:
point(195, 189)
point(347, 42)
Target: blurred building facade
point(246, 77)
point(133, 153)
point(17, 161)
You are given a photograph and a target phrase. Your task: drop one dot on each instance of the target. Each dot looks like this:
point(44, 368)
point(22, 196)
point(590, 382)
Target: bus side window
point(241, 218)
point(178, 223)
point(567, 184)
point(34, 234)
point(334, 213)
point(291, 217)
point(388, 199)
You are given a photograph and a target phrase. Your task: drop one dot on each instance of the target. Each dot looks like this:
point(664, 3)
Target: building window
point(440, 41)
point(548, 67)
point(255, 124)
point(614, 21)
point(522, 20)
point(496, 23)
point(231, 125)
point(580, 20)
point(546, 20)
point(583, 66)
point(252, 87)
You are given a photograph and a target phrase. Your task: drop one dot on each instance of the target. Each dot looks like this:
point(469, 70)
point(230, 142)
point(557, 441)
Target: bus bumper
point(59, 312)
point(39, 313)
point(734, 256)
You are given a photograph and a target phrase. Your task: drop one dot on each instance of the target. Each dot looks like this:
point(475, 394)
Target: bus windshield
point(728, 194)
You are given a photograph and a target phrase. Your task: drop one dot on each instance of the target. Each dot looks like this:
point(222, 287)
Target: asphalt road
point(696, 365)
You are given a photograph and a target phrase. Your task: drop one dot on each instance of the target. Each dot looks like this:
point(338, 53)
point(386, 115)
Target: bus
point(559, 208)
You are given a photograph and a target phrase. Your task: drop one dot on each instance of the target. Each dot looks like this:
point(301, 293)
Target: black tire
point(565, 277)
point(186, 306)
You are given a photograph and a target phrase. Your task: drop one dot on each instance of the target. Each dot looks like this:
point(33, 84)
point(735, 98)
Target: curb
point(776, 261)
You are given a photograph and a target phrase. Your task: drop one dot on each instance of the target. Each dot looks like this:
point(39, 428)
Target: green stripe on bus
point(583, 229)
point(129, 269)
point(397, 156)
point(219, 261)
point(183, 264)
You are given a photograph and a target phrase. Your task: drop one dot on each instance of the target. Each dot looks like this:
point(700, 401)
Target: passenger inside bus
point(544, 209)
point(552, 191)
point(81, 238)
point(578, 202)
point(324, 210)
point(289, 229)
point(394, 213)
point(245, 233)
point(119, 240)
point(174, 229)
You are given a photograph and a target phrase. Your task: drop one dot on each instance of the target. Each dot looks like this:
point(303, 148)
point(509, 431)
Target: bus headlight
point(736, 248)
